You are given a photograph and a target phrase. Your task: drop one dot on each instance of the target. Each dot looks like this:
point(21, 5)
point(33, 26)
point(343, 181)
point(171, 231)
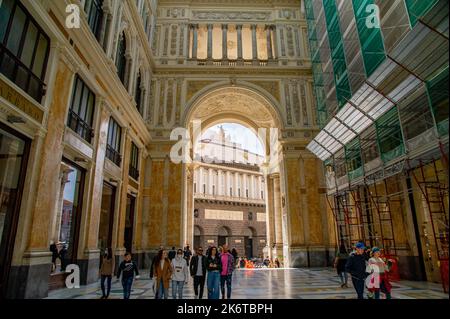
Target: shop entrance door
point(14, 149)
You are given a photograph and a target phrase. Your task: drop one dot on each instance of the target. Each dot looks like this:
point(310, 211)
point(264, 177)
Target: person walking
point(62, 256)
point(127, 268)
point(106, 272)
point(163, 272)
point(235, 256)
point(227, 261)
point(180, 275)
point(172, 253)
point(378, 276)
point(187, 254)
point(197, 268)
point(55, 255)
point(277, 263)
point(339, 264)
point(154, 261)
point(214, 266)
point(356, 266)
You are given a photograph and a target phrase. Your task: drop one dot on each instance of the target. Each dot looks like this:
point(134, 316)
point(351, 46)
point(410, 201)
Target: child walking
point(128, 268)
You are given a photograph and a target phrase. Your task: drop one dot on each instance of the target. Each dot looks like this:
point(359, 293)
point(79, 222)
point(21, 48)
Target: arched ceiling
point(238, 103)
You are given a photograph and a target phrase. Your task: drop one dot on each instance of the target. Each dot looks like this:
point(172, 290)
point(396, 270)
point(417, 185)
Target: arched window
point(138, 93)
point(250, 216)
point(94, 12)
point(121, 60)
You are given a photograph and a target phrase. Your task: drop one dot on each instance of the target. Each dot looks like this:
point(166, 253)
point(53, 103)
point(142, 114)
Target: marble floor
point(321, 283)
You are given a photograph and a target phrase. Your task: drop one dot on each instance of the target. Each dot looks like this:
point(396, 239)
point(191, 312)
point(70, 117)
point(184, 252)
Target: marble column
point(254, 43)
point(219, 182)
point(277, 213)
point(210, 39)
point(210, 181)
point(194, 40)
point(123, 191)
point(269, 42)
point(224, 41)
point(239, 41)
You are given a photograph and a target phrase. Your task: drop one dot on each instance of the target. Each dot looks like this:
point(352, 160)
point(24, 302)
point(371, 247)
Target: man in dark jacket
point(356, 266)
point(172, 254)
point(127, 268)
point(197, 268)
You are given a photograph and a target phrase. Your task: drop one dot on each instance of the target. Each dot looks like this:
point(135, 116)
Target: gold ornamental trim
point(21, 102)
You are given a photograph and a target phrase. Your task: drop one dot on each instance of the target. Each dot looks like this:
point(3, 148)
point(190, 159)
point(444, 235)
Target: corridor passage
point(318, 283)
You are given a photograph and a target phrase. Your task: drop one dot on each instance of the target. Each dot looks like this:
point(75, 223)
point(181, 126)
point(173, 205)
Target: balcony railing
point(80, 127)
point(113, 155)
point(20, 74)
point(230, 198)
point(233, 62)
point(133, 172)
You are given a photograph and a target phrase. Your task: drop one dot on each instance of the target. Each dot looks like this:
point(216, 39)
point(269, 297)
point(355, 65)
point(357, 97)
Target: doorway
point(14, 150)
point(129, 222)
point(248, 242)
point(106, 217)
point(72, 199)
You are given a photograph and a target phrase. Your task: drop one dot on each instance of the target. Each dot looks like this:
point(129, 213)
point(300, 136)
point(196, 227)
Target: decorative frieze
point(231, 15)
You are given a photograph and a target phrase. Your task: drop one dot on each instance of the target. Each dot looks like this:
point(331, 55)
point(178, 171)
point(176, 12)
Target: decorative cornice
point(231, 15)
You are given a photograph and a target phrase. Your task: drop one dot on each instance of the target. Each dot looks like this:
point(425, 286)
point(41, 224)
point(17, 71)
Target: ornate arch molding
point(222, 97)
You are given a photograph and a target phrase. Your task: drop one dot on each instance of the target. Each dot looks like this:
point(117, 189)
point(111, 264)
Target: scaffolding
point(434, 189)
point(397, 112)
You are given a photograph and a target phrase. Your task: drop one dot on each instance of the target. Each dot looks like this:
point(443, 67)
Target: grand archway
point(243, 105)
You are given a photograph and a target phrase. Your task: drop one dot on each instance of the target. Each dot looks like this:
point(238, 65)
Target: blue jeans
point(177, 287)
point(343, 277)
point(126, 284)
point(213, 284)
point(227, 279)
point(161, 291)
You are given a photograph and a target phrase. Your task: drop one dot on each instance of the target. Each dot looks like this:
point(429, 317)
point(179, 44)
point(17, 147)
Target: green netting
point(389, 136)
point(437, 90)
point(319, 94)
point(342, 84)
point(418, 8)
point(353, 159)
point(372, 46)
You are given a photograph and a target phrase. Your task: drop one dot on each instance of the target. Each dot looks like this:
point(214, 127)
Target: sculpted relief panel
point(231, 15)
point(238, 101)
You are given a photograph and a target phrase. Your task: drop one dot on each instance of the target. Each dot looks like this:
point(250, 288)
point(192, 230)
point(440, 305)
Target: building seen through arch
point(352, 120)
point(229, 190)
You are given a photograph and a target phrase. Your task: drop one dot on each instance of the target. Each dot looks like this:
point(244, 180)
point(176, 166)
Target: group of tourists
point(214, 268)
point(171, 269)
point(367, 270)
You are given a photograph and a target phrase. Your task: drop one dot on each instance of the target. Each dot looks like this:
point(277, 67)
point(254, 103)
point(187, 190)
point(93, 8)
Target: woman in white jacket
point(180, 275)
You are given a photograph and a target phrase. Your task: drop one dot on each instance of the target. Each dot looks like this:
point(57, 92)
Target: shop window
point(24, 49)
point(138, 93)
